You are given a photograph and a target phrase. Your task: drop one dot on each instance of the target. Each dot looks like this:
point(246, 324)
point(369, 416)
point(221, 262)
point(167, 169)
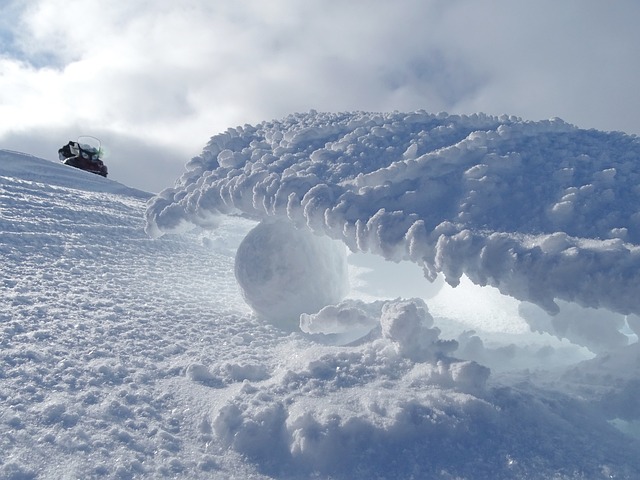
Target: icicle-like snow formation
point(541, 210)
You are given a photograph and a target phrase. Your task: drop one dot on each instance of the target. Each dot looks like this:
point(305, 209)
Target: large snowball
point(284, 272)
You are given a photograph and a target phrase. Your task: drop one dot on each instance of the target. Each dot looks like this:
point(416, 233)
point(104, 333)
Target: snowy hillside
point(98, 324)
point(124, 356)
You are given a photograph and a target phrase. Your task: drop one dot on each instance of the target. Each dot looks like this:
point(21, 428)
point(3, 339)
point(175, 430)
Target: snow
point(526, 207)
point(244, 323)
point(284, 272)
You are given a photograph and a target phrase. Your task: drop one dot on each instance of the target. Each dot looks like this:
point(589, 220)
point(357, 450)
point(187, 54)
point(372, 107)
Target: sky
point(154, 80)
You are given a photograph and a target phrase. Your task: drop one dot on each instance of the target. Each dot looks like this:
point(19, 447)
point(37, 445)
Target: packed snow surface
point(123, 356)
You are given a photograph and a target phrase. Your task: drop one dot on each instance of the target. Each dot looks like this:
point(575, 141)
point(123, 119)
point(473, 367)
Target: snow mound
point(408, 325)
point(400, 404)
point(540, 210)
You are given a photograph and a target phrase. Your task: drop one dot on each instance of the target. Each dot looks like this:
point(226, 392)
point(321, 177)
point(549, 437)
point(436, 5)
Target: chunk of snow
point(409, 325)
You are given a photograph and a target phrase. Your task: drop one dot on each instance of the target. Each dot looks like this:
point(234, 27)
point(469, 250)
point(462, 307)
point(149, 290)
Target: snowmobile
point(84, 154)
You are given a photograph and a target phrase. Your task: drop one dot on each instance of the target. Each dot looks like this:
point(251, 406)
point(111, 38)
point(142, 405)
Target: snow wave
point(540, 210)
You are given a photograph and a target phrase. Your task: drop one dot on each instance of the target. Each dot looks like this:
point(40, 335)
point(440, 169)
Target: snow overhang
point(540, 210)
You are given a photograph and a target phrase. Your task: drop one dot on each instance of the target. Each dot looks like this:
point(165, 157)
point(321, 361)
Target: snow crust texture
point(540, 210)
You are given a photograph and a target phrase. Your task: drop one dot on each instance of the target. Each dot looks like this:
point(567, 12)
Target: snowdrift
point(540, 210)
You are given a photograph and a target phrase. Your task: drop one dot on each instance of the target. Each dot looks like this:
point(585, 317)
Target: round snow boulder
point(284, 272)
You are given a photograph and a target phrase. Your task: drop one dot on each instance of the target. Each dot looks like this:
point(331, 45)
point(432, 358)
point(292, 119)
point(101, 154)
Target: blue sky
point(156, 78)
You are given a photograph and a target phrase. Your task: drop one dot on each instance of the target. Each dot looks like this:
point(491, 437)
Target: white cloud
point(176, 73)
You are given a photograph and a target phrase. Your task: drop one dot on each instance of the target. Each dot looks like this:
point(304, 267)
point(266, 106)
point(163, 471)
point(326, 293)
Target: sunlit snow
point(262, 334)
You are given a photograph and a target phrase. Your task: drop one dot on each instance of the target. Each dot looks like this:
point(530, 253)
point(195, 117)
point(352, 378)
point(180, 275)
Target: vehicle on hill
point(84, 154)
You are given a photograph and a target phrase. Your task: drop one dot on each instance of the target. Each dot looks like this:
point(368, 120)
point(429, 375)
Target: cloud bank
point(170, 73)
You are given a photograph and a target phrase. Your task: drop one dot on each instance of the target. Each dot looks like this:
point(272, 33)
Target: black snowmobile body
point(84, 156)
